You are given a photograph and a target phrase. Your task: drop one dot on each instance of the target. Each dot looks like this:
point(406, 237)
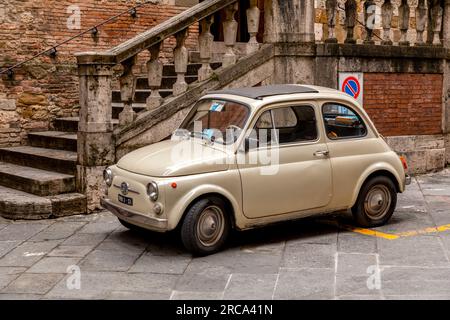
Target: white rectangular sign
point(352, 83)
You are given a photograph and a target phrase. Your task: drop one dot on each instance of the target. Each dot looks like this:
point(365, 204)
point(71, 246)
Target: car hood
point(175, 158)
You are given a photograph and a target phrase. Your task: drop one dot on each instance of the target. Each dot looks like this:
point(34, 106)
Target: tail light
point(404, 163)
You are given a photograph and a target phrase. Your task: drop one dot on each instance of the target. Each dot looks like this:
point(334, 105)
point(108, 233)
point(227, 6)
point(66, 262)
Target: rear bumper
point(134, 217)
point(407, 179)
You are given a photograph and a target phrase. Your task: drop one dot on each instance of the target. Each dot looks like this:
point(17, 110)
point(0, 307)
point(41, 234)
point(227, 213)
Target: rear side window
point(342, 122)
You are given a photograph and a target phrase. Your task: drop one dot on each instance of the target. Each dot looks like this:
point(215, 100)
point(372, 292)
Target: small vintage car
point(247, 157)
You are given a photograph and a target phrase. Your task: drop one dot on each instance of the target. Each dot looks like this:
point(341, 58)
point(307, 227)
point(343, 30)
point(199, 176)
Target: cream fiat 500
point(248, 157)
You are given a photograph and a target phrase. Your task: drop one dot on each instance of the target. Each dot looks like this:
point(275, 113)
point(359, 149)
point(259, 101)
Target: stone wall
point(47, 87)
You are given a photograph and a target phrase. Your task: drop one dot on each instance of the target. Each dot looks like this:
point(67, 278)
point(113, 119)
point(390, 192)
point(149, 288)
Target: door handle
point(321, 153)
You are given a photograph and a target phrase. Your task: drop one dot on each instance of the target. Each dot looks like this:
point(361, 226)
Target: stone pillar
point(387, 11)
point(289, 21)
point(369, 20)
point(155, 73)
point(230, 26)
point(350, 20)
point(181, 62)
point(95, 140)
point(205, 41)
point(436, 22)
point(403, 22)
point(331, 6)
point(421, 21)
point(446, 25)
point(127, 88)
point(253, 16)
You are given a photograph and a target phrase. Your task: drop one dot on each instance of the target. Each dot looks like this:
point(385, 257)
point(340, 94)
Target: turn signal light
point(404, 163)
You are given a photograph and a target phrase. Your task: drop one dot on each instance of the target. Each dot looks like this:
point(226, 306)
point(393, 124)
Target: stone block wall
point(47, 87)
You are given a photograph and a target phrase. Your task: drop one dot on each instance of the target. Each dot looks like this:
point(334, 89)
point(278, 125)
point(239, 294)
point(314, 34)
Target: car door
point(290, 170)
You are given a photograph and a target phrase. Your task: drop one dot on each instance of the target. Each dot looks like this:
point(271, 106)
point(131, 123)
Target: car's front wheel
point(376, 202)
point(205, 227)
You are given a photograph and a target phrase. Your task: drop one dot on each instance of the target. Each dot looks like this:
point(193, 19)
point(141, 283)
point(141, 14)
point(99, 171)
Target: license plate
point(125, 200)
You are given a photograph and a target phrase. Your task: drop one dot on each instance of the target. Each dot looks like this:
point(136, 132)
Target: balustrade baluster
point(181, 61)
point(253, 16)
point(421, 21)
point(436, 19)
point(331, 6)
point(205, 41)
point(387, 11)
point(127, 88)
point(230, 26)
point(369, 17)
point(403, 17)
point(155, 72)
point(350, 20)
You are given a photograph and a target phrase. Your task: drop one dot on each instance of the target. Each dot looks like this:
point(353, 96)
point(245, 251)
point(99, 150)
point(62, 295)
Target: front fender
point(383, 166)
point(178, 209)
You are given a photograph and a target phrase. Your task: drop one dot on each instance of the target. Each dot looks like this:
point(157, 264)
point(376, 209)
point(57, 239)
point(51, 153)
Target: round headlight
point(108, 176)
point(152, 191)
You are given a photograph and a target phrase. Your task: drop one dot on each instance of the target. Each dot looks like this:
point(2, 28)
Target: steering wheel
point(233, 127)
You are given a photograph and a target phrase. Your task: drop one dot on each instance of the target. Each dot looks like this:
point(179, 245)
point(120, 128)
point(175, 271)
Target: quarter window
point(342, 122)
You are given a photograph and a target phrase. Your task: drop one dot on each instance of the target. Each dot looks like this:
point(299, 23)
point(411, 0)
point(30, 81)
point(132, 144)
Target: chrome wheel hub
point(378, 201)
point(210, 226)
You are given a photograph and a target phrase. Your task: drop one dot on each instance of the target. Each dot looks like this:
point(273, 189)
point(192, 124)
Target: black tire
point(376, 202)
point(212, 215)
point(130, 226)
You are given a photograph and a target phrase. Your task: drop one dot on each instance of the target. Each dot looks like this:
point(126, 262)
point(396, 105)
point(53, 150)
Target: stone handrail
point(145, 40)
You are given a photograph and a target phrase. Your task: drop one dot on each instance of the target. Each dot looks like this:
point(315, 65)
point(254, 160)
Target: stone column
point(205, 41)
point(230, 26)
point(421, 21)
point(369, 20)
point(403, 22)
point(181, 62)
point(436, 21)
point(289, 21)
point(350, 20)
point(127, 88)
point(155, 72)
point(253, 16)
point(387, 11)
point(95, 140)
point(331, 6)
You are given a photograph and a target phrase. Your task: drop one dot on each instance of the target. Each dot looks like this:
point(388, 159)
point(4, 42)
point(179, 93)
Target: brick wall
point(47, 88)
point(404, 104)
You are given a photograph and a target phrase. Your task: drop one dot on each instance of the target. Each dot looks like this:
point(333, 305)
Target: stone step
point(54, 140)
point(70, 124)
point(192, 69)
point(42, 158)
point(16, 204)
point(140, 96)
point(167, 82)
point(36, 181)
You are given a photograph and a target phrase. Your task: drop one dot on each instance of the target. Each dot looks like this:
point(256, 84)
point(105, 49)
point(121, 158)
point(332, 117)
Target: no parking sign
point(352, 84)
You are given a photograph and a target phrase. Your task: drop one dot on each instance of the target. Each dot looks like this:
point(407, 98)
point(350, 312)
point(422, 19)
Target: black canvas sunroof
point(266, 91)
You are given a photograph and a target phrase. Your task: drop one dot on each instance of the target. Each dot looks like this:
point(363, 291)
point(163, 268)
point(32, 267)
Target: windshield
point(216, 120)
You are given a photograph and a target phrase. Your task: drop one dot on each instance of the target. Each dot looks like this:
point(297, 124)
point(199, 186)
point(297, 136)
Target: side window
point(295, 124)
point(342, 122)
point(262, 133)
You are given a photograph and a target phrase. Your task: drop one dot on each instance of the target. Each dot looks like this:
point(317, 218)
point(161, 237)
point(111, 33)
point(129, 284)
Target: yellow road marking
point(373, 233)
point(394, 236)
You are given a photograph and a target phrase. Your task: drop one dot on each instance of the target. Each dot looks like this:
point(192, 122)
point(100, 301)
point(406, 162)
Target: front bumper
point(136, 218)
point(407, 179)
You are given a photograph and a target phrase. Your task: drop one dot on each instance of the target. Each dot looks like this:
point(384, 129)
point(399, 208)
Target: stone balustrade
point(375, 23)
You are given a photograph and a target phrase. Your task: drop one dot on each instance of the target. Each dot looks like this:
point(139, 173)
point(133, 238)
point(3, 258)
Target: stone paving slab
point(314, 258)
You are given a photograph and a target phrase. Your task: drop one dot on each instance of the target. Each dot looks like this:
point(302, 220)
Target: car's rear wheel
point(205, 227)
point(376, 202)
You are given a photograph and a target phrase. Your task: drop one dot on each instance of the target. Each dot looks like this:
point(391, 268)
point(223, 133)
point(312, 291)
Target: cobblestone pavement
point(320, 258)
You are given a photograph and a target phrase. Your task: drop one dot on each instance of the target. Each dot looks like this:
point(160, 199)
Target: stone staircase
point(39, 180)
